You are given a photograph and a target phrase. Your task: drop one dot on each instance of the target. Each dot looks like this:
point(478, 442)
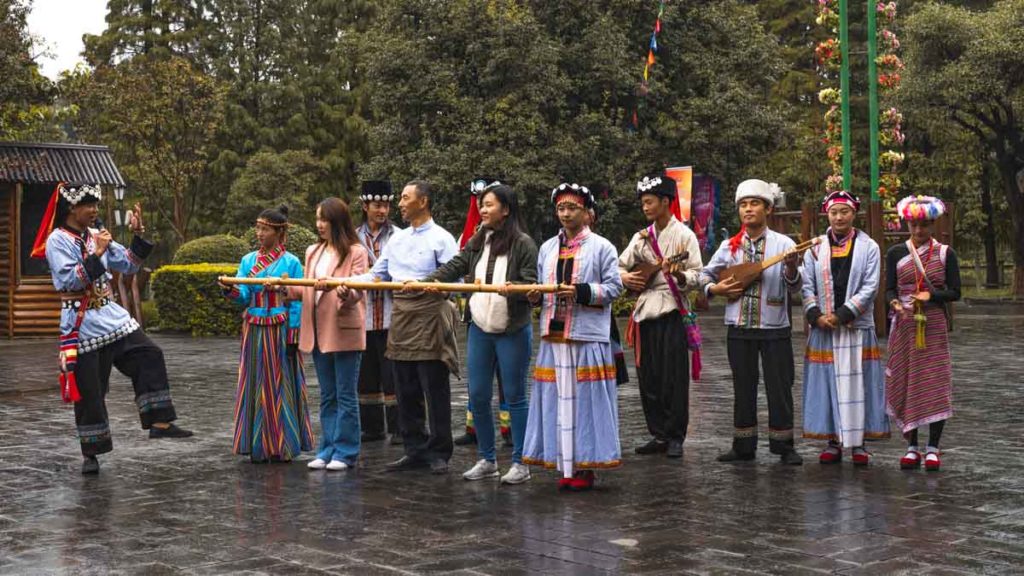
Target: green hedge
point(299, 238)
point(188, 299)
point(216, 248)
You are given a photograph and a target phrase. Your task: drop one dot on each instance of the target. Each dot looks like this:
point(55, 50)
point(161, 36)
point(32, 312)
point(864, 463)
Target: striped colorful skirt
point(271, 408)
point(844, 397)
point(573, 422)
point(919, 382)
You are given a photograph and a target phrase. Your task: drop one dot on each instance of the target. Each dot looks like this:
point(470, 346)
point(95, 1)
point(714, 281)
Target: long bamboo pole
point(411, 286)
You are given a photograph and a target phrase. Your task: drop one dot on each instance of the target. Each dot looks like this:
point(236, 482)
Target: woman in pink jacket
point(332, 330)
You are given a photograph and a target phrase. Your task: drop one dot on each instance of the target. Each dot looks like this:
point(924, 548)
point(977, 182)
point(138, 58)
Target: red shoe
point(932, 462)
point(831, 455)
point(861, 458)
point(564, 483)
point(582, 481)
point(911, 460)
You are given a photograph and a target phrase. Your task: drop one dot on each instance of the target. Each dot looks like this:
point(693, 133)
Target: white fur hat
point(770, 193)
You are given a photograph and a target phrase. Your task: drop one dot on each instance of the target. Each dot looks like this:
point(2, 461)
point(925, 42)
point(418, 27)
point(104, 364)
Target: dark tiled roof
point(39, 163)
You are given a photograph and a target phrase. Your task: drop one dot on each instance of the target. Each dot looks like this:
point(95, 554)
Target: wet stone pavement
point(169, 507)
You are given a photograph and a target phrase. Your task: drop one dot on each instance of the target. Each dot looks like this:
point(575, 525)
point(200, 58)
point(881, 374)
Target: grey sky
point(59, 26)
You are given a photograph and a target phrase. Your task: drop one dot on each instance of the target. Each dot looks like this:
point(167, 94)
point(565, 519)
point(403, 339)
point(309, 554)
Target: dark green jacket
point(522, 269)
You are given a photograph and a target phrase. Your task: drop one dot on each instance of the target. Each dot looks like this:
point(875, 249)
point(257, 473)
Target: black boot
point(90, 466)
point(791, 458)
point(654, 446)
point(171, 431)
point(733, 456)
point(675, 449)
point(466, 439)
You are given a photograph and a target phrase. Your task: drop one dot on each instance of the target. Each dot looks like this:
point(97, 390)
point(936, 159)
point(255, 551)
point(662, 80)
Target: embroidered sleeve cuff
point(94, 267)
point(845, 315)
point(232, 293)
point(584, 294)
point(140, 248)
point(813, 313)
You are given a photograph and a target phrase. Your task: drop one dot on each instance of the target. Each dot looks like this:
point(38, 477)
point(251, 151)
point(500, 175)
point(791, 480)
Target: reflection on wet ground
point(191, 507)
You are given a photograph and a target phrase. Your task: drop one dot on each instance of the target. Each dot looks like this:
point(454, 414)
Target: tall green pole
point(844, 88)
point(873, 97)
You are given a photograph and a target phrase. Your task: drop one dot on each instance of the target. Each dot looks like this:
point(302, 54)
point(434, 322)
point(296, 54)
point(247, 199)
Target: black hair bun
point(283, 209)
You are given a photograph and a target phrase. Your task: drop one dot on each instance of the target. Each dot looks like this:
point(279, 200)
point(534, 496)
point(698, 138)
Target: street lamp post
point(119, 216)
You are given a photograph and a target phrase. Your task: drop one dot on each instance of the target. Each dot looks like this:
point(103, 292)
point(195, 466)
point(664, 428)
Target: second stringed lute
point(747, 272)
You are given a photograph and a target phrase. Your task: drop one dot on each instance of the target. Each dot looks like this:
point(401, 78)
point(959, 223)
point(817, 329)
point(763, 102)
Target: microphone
point(98, 223)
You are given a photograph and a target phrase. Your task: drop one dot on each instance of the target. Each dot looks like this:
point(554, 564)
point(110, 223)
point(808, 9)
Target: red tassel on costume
point(737, 240)
point(675, 209)
point(69, 387)
point(472, 221)
point(695, 364)
point(46, 226)
point(633, 338)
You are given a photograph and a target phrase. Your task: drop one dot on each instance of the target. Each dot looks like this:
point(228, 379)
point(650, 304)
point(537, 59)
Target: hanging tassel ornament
point(922, 321)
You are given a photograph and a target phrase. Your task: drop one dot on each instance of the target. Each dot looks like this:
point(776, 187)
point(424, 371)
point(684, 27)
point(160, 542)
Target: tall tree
point(152, 28)
point(26, 96)
point(968, 66)
point(799, 163)
point(159, 116)
point(539, 91)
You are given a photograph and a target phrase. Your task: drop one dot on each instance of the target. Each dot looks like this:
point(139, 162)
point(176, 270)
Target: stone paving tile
point(190, 507)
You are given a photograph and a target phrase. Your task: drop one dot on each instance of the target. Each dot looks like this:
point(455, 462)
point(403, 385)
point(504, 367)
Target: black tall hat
point(571, 188)
point(377, 191)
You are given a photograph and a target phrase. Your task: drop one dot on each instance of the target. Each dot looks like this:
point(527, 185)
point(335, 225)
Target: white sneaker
point(336, 465)
point(318, 464)
point(483, 469)
point(517, 474)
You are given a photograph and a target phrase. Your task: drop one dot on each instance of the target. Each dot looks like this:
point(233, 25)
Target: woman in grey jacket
point(500, 330)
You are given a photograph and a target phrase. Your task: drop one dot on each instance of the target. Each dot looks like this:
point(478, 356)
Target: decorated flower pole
point(884, 67)
point(831, 56)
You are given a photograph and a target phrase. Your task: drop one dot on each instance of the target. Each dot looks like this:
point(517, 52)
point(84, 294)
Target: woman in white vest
point(500, 331)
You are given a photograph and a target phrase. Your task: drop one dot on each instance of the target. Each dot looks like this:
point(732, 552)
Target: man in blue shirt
point(421, 341)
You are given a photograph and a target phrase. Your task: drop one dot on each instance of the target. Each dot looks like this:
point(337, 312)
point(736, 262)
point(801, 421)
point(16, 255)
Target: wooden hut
point(29, 305)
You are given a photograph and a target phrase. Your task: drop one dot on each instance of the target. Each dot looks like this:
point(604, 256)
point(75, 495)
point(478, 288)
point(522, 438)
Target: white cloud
point(59, 26)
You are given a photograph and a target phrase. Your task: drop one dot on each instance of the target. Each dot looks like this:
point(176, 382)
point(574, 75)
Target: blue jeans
point(511, 353)
point(338, 373)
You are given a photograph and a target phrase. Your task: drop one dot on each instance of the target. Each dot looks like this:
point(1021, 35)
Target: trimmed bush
point(216, 248)
point(623, 305)
point(150, 315)
point(299, 238)
point(188, 299)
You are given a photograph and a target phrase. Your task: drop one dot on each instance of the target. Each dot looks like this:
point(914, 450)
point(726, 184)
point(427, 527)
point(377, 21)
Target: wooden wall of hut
point(7, 272)
point(29, 306)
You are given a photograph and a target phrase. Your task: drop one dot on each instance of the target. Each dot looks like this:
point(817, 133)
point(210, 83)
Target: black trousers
point(665, 376)
point(416, 381)
point(378, 404)
point(774, 349)
point(135, 356)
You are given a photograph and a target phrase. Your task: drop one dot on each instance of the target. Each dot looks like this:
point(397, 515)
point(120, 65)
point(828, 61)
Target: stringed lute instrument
point(649, 269)
point(746, 273)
